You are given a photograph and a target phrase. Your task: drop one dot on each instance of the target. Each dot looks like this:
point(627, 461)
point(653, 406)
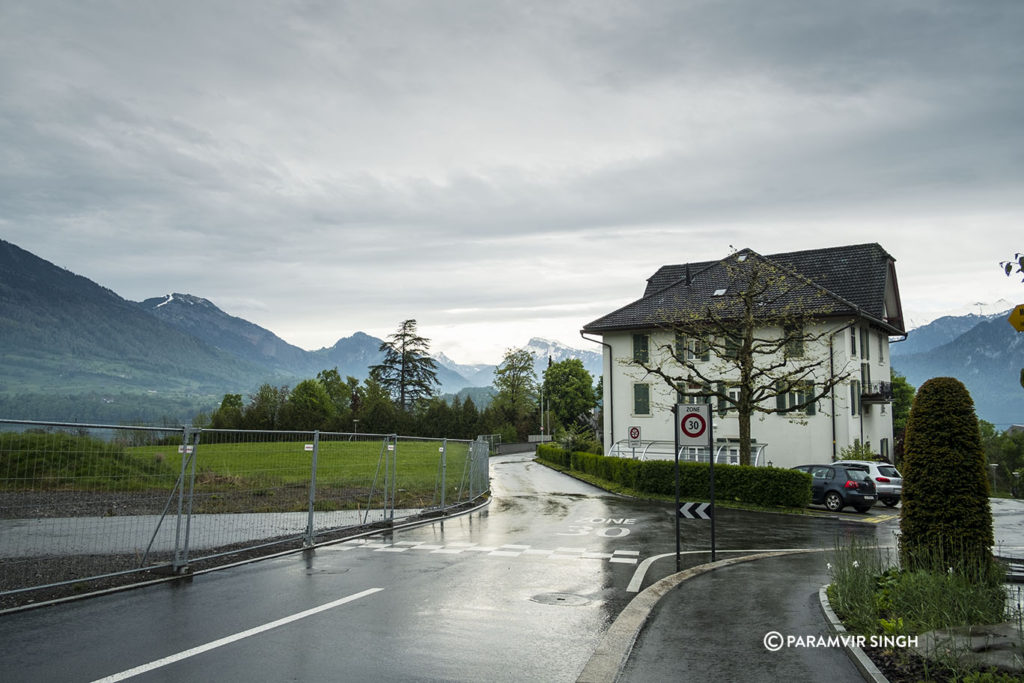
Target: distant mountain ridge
point(940, 331)
point(61, 332)
point(982, 351)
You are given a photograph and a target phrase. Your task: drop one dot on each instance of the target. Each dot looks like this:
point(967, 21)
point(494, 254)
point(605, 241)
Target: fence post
point(189, 443)
point(176, 563)
point(191, 492)
point(310, 534)
point(394, 476)
point(444, 469)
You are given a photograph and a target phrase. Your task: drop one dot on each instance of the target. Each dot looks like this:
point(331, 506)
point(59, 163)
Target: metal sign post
point(693, 428)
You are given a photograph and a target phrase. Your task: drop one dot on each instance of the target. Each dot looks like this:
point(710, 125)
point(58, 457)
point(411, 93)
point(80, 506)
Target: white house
point(846, 359)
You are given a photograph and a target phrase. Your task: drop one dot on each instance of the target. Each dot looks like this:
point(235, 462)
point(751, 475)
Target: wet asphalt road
point(522, 590)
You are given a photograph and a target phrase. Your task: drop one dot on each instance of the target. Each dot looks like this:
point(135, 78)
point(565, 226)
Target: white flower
point(950, 571)
point(828, 566)
point(856, 564)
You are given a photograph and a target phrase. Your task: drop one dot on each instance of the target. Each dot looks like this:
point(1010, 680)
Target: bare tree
point(750, 338)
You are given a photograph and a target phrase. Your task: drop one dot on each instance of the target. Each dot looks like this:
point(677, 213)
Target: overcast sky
point(503, 170)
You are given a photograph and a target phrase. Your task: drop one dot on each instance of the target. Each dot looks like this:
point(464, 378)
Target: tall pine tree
point(407, 372)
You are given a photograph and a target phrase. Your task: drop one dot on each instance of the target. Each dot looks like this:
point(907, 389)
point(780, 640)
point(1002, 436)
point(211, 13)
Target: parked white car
point(888, 480)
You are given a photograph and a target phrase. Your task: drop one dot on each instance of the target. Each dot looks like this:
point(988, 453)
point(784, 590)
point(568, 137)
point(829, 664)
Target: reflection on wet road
point(520, 590)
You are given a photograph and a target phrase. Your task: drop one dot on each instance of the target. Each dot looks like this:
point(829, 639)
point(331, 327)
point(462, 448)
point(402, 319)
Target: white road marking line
point(505, 553)
point(509, 546)
point(641, 571)
point(635, 553)
point(425, 546)
point(192, 652)
point(624, 560)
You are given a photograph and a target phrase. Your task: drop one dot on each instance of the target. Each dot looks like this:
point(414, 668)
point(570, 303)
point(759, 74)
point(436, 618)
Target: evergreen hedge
point(766, 486)
point(946, 519)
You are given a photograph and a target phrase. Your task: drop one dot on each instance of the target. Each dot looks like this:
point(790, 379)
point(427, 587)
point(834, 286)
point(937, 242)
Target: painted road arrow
point(695, 510)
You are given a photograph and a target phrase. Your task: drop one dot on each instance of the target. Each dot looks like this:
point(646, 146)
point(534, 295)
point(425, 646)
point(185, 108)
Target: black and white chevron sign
point(695, 510)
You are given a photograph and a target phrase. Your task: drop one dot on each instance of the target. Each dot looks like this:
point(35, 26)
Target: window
point(692, 348)
point(691, 395)
point(853, 341)
point(884, 448)
point(726, 406)
point(794, 335)
point(854, 398)
point(882, 339)
point(732, 347)
point(865, 346)
point(641, 348)
point(641, 399)
point(798, 394)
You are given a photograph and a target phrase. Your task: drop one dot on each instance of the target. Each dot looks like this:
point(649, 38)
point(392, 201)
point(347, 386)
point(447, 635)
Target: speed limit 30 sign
point(693, 425)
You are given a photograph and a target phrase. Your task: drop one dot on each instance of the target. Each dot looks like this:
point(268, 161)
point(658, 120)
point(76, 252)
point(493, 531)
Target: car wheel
point(863, 508)
point(833, 501)
point(891, 503)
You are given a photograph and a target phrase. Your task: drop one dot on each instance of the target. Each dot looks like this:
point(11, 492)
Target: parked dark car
point(888, 480)
point(837, 486)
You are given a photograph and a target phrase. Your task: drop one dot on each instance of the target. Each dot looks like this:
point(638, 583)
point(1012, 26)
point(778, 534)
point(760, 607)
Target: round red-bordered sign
point(634, 433)
point(693, 425)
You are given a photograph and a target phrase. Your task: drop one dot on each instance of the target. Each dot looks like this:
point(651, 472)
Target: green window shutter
point(723, 405)
point(641, 349)
point(641, 399)
point(808, 393)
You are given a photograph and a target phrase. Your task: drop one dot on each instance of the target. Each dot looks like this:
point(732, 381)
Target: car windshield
point(888, 471)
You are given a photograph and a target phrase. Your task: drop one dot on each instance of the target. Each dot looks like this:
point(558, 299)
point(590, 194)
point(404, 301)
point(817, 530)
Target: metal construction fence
point(86, 502)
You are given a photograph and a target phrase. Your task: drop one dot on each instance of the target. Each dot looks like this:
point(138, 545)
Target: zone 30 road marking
point(192, 652)
point(507, 550)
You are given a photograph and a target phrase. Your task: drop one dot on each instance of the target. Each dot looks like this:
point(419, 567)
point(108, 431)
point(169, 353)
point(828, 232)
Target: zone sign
point(693, 425)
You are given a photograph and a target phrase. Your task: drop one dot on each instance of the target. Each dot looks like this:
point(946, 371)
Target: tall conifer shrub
point(946, 520)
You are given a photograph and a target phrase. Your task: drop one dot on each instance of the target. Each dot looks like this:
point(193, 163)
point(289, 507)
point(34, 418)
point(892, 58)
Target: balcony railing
point(877, 392)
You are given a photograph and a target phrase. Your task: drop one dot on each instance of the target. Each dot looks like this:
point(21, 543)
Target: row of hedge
point(768, 486)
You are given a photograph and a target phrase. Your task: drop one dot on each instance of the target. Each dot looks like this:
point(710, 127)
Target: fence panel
point(89, 501)
point(351, 480)
point(250, 488)
point(84, 500)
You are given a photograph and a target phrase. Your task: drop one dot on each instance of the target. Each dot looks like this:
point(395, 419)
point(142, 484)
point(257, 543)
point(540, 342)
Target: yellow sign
point(1017, 318)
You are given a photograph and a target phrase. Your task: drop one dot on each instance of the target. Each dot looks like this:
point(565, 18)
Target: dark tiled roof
point(842, 281)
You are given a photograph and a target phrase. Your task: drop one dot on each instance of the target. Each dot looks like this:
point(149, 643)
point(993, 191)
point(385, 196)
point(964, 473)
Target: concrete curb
point(613, 651)
point(866, 667)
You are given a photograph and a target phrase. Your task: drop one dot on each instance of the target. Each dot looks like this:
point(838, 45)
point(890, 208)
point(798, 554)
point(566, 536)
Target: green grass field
point(272, 472)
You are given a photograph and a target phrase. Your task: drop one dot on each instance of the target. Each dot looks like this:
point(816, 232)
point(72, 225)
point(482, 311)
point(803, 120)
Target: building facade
point(822, 389)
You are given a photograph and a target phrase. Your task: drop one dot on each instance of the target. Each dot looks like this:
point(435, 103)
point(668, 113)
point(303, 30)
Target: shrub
point(741, 483)
point(858, 451)
point(945, 519)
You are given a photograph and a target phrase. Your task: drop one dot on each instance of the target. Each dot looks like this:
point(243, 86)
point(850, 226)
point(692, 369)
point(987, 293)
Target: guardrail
point(664, 450)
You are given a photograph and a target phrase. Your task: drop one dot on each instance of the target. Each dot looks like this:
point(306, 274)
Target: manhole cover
point(316, 572)
point(560, 599)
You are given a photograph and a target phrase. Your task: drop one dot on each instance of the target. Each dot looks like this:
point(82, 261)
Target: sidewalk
point(712, 627)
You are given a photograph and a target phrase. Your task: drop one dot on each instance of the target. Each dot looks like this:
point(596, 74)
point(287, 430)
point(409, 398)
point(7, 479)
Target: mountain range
point(982, 351)
point(72, 349)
